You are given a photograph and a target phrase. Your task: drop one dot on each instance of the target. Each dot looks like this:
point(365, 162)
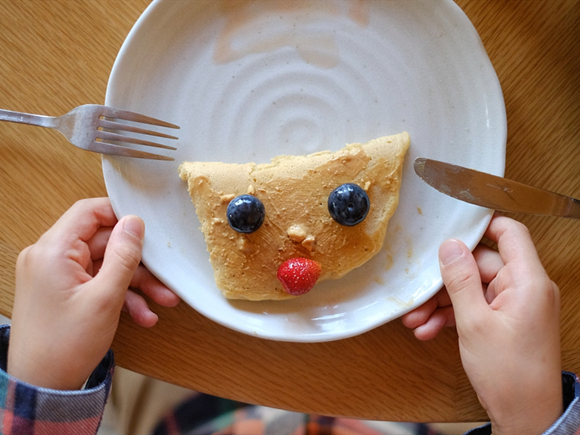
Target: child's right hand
point(506, 311)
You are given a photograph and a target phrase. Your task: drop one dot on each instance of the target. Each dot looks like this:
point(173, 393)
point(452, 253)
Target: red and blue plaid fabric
point(29, 410)
point(203, 414)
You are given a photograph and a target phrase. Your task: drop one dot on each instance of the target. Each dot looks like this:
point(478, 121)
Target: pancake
point(294, 191)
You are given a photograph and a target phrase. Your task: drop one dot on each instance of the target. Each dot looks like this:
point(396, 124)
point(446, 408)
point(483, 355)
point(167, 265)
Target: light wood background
point(57, 54)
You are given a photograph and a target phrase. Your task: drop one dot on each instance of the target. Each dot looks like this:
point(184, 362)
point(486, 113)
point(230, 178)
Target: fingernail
point(134, 226)
point(449, 251)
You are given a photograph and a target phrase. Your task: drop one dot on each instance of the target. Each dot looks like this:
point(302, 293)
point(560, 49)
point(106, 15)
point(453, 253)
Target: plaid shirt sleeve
point(569, 421)
point(29, 410)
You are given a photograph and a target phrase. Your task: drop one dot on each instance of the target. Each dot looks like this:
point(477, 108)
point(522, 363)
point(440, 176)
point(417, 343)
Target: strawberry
point(298, 275)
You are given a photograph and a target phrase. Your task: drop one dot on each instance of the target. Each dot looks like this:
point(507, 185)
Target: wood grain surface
point(57, 54)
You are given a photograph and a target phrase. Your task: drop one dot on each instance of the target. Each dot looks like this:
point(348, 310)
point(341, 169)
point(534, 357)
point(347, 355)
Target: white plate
point(258, 79)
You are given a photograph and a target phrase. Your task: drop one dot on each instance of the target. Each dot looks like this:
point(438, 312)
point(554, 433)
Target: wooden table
point(55, 55)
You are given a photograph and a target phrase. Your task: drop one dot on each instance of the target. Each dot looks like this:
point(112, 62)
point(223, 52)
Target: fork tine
point(112, 125)
point(107, 136)
point(117, 150)
point(111, 112)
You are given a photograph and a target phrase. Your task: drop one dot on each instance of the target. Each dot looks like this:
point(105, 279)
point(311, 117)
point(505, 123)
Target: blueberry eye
point(245, 213)
point(348, 204)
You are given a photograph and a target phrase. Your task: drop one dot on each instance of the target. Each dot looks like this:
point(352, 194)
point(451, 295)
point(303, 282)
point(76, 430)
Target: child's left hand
point(70, 289)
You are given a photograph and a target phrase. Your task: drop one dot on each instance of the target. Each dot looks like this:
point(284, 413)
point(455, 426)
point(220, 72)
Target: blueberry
point(348, 204)
point(246, 213)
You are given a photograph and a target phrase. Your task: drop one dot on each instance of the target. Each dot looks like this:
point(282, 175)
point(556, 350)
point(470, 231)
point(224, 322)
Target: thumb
point(122, 256)
point(462, 280)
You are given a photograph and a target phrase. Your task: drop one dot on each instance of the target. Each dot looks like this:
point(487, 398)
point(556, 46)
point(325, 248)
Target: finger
point(443, 299)
point(84, 218)
point(441, 318)
point(97, 266)
point(488, 261)
point(514, 242)
point(145, 281)
point(139, 311)
point(462, 280)
point(122, 257)
point(421, 314)
point(98, 243)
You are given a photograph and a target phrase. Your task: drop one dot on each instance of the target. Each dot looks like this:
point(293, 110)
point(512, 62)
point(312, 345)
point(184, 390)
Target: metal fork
point(100, 129)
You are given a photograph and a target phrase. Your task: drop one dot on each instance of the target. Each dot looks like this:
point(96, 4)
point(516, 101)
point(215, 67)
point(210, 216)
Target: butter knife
point(494, 192)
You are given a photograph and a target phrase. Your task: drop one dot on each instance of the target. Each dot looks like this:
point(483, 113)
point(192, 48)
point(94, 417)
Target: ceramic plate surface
point(250, 80)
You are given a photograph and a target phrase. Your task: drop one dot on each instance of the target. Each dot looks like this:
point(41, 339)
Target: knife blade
point(494, 192)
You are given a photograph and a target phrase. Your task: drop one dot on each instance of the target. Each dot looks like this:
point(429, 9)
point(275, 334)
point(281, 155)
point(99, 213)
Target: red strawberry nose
point(298, 275)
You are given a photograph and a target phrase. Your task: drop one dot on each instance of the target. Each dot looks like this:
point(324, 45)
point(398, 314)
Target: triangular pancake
point(294, 191)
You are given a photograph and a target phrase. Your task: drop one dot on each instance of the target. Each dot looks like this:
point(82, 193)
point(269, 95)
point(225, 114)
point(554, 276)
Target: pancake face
point(294, 191)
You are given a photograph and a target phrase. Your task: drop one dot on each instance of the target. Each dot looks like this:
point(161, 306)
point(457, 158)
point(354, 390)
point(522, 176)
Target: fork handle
point(28, 118)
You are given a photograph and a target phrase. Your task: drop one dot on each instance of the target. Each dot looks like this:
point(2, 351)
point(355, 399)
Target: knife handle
point(574, 209)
